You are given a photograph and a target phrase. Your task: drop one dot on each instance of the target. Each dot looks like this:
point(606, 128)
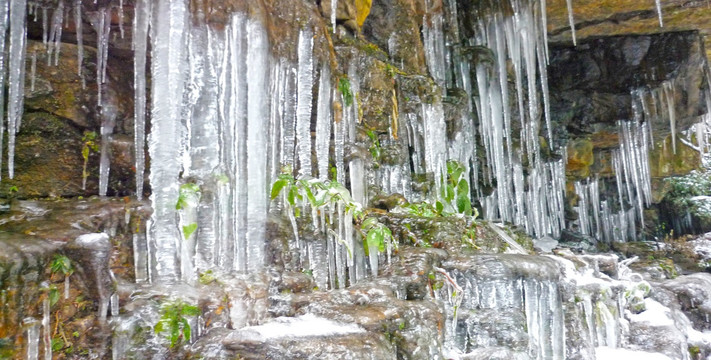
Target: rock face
point(592, 85)
point(593, 18)
point(33, 234)
point(61, 106)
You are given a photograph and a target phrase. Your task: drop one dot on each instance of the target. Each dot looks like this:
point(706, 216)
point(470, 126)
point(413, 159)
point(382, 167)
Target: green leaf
point(383, 233)
point(463, 187)
point(344, 86)
point(53, 295)
point(291, 196)
point(276, 188)
point(190, 188)
point(369, 223)
point(464, 205)
point(159, 327)
point(311, 198)
point(449, 195)
point(373, 240)
point(439, 207)
point(85, 152)
point(190, 310)
point(186, 329)
point(189, 229)
point(174, 335)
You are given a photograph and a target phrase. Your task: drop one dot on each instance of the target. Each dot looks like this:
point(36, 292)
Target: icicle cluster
point(538, 301)
point(223, 85)
point(536, 200)
point(617, 219)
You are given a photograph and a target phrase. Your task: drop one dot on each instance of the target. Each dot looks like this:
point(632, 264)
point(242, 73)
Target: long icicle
point(16, 76)
point(571, 20)
point(3, 29)
point(659, 12)
point(140, 46)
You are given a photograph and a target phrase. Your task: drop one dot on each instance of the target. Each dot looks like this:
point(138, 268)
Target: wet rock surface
point(32, 236)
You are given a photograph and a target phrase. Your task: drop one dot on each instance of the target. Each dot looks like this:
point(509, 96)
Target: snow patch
point(302, 326)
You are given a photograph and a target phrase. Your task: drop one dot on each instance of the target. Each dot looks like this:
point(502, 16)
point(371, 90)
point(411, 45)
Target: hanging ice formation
point(658, 4)
point(221, 85)
point(140, 46)
point(616, 219)
point(571, 20)
point(534, 201)
point(16, 76)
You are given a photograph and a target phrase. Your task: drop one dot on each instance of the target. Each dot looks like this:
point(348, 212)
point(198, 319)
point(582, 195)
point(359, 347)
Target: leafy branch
point(173, 321)
point(322, 193)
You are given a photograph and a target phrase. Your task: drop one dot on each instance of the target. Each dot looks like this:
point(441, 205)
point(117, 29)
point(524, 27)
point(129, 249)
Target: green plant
point(321, 193)
point(173, 321)
point(454, 194)
point(89, 144)
point(62, 265)
point(188, 198)
point(51, 292)
point(318, 193)
point(374, 147)
point(57, 344)
point(377, 235)
point(344, 86)
point(207, 277)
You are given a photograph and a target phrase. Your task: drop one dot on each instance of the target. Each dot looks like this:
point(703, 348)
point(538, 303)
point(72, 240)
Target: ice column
point(55, 34)
point(323, 122)
point(16, 76)
point(304, 98)
point(140, 46)
point(3, 30)
point(571, 20)
point(257, 112)
point(102, 25)
point(658, 4)
point(167, 43)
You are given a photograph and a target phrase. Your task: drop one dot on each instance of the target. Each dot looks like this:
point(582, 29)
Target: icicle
point(258, 110)
point(304, 97)
point(3, 30)
point(121, 18)
point(669, 100)
point(334, 11)
point(140, 257)
point(102, 26)
point(66, 287)
point(571, 20)
point(658, 3)
point(140, 45)
point(16, 76)
point(46, 330)
point(33, 337)
point(433, 41)
point(55, 34)
point(80, 40)
point(323, 122)
point(167, 40)
point(108, 121)
point(33, 71)
point(44, 26)
point(115, 304)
